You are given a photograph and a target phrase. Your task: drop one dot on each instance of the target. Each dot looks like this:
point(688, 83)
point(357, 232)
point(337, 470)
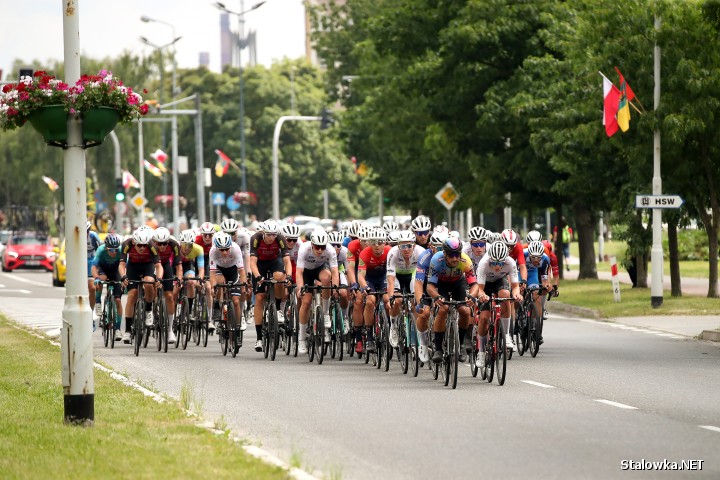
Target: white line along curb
point(252, 450)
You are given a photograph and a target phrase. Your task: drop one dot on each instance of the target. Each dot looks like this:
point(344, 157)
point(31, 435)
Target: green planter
point(51, 122)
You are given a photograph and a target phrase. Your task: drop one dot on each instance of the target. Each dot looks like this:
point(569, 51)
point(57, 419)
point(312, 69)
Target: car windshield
point(4, 235)
point(28, 241)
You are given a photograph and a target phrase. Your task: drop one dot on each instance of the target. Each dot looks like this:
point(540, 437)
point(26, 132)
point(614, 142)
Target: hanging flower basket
point(51, 122)
point(101, 100)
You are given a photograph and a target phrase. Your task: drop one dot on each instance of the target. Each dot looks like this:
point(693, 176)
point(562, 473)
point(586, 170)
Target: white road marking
point(710, 427)
point(19, 290)
point(615, 404)
point(537, 384)
point(25, 280)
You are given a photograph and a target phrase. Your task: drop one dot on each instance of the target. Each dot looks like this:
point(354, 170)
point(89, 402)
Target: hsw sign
point(658, 201)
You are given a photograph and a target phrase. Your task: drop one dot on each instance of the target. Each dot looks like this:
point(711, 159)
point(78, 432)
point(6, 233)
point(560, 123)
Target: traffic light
point(119, 190)
point(326, 119)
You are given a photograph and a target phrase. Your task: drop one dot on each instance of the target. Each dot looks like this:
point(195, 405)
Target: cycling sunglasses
point(496, 264)
point(422, 232)
point(453, 254)
point(405, 246)
point(319, 247)
point(477, 244)
point(336, 245)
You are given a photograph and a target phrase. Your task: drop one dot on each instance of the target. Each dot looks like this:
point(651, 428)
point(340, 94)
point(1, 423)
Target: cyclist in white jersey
point(476, 247)
point(402, 262)
point(226, 265)
point(497, 274)
point(316, 263)
point(336, 239)
point(241, 238)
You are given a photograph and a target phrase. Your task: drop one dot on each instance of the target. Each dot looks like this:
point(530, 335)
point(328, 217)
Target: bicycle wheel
point(232, 329)
point(350, 339)
point(204, 333)
point(105, 323)
point(199, 307)
point(274, 333)
point(364, 340)
point(339, 332)
point(266, 327)
point(164, 324)
point(319, 335)
point(387, 348)
point(310, 338)
point(296, 326)
point(403, 349)
point(474, 349)
point(490, 352)
point(138, 325)
point(113, 318)
point(454, 349)
point(520, 333)
point(184, 323)
point(501, 356)
point(533, 329)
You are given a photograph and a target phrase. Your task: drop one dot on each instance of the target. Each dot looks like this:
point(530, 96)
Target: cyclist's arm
point(335, 274)
point(158, 271)
point(299, 276)
point(361, 279)
point(432, 291)
point(391, 284)
point(288, 266)
point(253, 266)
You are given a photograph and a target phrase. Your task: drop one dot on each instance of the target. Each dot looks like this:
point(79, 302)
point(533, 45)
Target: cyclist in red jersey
point(139, 260)
point(372, 271)
point(169, 253)
point(354, 249)
point(268, 256)
point(204, 239)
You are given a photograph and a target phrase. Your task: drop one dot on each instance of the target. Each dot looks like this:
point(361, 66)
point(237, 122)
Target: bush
point(692, 245)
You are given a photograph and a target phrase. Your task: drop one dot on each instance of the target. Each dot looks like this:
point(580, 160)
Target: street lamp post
point(240, 43)
point(160, 49)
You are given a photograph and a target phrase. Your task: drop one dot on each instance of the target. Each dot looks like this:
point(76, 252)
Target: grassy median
point(133, 436)
point(598, 295)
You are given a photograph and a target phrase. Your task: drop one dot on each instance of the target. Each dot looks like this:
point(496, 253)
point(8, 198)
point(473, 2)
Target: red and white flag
point(129, 181)
point(160, 156)
point(152, 168)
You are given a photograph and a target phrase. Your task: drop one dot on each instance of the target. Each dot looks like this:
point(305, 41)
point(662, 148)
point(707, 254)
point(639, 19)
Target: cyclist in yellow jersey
point(192, 256)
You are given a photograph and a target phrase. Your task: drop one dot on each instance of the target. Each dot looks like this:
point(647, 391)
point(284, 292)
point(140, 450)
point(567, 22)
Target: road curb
point(252, 450)
point(710, 335)
point(559, 307)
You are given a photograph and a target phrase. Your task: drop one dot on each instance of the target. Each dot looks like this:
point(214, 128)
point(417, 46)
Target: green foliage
point(692, 245)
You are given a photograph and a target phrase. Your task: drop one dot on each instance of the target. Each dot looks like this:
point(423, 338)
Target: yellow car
point(59, 266)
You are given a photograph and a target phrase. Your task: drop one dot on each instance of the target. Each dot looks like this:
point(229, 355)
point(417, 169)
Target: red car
point(28, 250)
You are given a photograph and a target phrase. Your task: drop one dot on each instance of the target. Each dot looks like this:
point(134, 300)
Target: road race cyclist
point(372, 269)
point(475, 248)
point(241, 237)
point(139, 261)
point(93, 243)
point(422, 299)
point(496, 274)
point(346, 278)
point(316, 263)
point(192, 258)
point(450, 275)
point(204, 239)
point(421, 226)
point(292, 236)
point(226, 266)
point(402, 261)
point(105, 267)
point(539, 274)
point(268, 256)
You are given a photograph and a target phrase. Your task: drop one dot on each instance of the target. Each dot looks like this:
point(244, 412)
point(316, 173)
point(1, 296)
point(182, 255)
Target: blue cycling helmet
point(112, 241)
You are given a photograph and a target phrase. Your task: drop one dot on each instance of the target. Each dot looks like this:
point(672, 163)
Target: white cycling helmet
point(222, 240)
point(438, 238)
point(441, 228)
point(187, 236)
point(335, 237)
point(454, 234)
point(406, 236)
point(378, 234)
point(477, 234)
point(319, 238)
point(498, 252)
point(364, 232)
point(509, 237)
point(533, 236)
point(390, 226)
point(207, 228)
point(392, 237)
point(494, 237)
point(229, 226)
point(161, 235)
point(142, 236)
point(271, 227)
point(536, 248)
point(291, 230)
point(354, 228)
point(421, 223)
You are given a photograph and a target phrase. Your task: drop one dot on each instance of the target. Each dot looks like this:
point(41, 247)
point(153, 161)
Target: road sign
point(138, 201)
point(218, 199)
point(447, 195)
point(658, 201)
point(232, 204)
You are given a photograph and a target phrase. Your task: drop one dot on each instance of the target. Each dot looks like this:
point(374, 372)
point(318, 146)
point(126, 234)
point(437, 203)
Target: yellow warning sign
point(447, 196)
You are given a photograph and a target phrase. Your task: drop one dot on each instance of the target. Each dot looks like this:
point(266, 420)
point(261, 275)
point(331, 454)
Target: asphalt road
point(594, 397)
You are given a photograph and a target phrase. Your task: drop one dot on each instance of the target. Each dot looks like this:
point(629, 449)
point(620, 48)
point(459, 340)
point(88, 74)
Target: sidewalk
point(704, 327)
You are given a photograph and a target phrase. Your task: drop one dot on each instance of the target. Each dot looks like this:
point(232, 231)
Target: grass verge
point(598, 295)
point(133, 436)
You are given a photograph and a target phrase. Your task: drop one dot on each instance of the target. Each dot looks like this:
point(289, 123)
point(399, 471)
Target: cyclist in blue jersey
point(93, 243)
point(422, 300)
point(539, 273)
point(105, 267)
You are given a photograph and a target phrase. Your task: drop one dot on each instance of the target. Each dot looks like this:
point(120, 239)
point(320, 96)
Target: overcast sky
point(33, 29)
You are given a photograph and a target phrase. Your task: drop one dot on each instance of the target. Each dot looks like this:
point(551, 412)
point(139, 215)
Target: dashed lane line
point(537, 384)
point(615, 404)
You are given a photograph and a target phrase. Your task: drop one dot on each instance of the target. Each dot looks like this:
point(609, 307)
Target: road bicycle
point(316, 323)
point(337, 326)
point(289, 334)
point(451, 343)
point(109, 321)
point(138, 335)
point(184, 318)
point(270, 329)
point(495, 349)
point(381, 329)
point(407, 335)
point(229, 333)
point(200, 328)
